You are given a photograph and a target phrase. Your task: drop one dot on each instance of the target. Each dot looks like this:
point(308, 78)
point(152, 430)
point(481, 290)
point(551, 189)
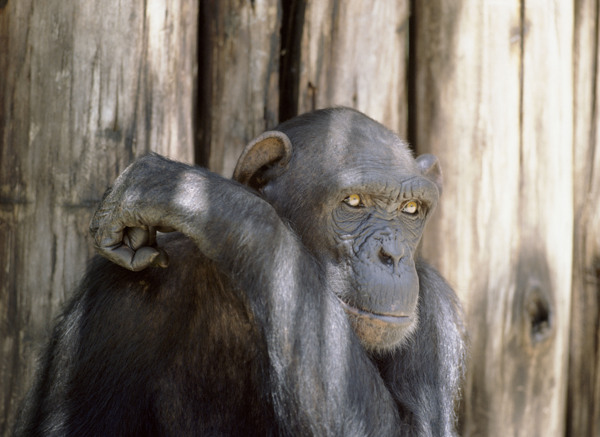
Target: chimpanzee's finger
point(120, 254)
point(106, 237)
point(144, 257)
point(135, 260)
point(162, 260)
point(136, 238)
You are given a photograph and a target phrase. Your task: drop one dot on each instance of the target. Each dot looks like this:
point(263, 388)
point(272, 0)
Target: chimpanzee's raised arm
point(157, 193)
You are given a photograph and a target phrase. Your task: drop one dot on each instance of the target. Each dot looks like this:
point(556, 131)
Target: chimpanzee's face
point(374, 237)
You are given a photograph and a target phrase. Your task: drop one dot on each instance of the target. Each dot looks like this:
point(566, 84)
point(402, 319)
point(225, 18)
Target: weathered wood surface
point(354, 54)
point(583, 413)
point(337, 53)
point(239, 48)
point(546, 199)
point(493, 101)
point(85, 87)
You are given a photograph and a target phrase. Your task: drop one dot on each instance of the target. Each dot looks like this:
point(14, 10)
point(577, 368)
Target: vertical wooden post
point(239, 77)
point(583, 410)
point(354, 54)
point(493, 101)
point(544, 273)
point(85, 87)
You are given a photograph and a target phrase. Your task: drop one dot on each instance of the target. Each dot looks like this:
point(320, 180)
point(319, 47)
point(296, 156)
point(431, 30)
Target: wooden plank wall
point(85, 87)
point(501, 124)
point(347, 60)
point(504, 92)
point(238, 97)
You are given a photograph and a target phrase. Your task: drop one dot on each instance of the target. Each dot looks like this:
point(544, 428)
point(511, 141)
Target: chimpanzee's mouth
point(394, 319)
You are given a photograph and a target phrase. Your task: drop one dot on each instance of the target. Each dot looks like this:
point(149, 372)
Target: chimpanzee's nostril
point(385, 257)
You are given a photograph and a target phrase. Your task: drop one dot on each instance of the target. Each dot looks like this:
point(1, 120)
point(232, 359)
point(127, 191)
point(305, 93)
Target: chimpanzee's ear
point(431, 169)
point(263, 159)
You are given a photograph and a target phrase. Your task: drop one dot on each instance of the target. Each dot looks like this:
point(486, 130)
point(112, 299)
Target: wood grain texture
point(239, 76)
point(546, 217)
point(583, 407)
point(85, 88)
point(355, 54)
point(491, 102)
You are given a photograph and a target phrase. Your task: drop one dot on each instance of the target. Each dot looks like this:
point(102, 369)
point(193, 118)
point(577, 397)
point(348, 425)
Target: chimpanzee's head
point(359, 201)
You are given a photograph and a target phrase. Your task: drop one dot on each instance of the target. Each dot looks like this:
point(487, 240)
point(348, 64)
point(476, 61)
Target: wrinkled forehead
point(348, 144)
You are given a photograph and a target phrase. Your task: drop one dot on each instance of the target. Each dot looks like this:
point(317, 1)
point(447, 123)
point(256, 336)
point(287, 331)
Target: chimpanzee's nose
point(391, 252)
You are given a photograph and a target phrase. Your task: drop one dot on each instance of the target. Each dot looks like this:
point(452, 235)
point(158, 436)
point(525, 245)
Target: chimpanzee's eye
point(410, 207)
point(353, 200)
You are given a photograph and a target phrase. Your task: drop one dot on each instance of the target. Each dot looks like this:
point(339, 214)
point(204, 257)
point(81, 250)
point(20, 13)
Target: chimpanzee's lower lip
point(395, 319)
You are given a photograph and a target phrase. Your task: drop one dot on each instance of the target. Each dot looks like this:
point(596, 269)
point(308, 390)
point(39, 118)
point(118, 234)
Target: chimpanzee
point(294, 301)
